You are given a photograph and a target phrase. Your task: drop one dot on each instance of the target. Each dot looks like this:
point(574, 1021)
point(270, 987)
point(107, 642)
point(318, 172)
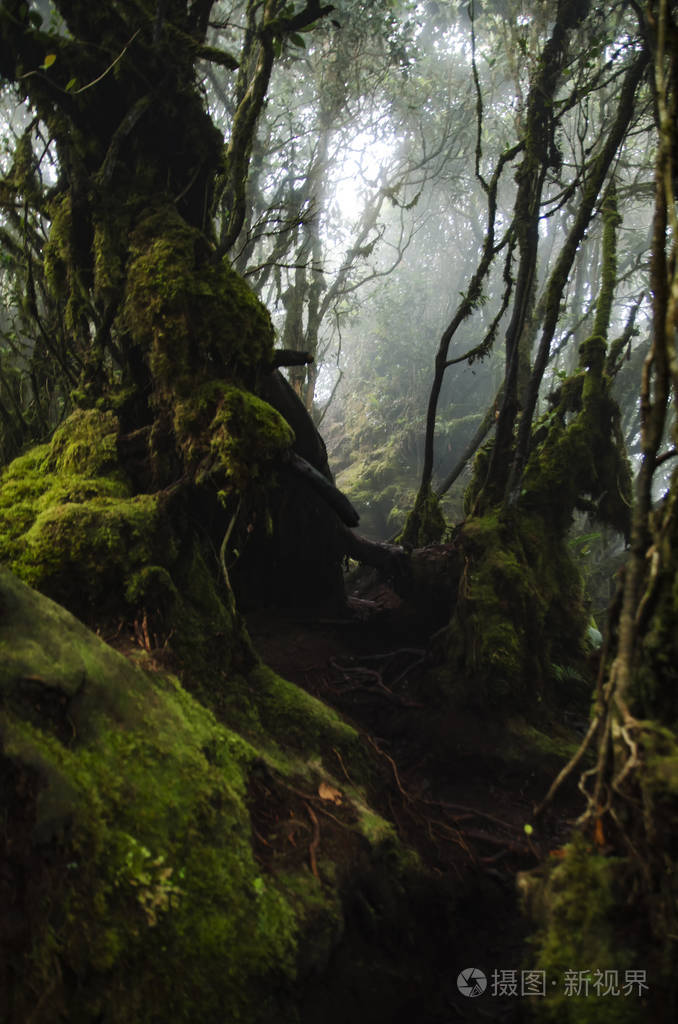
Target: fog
point(367, 213)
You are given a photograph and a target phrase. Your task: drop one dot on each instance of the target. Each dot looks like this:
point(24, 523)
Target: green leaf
point(35, 18)
point(528, 830)
point(71, 84)
point(297, 40)
point(277, 46)
point(49, 60)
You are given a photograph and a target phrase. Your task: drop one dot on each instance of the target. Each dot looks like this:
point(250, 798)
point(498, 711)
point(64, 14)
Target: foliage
point(135, 353)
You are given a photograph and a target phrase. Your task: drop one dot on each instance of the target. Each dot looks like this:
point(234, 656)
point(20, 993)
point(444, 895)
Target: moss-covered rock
point(137, 841)
point(147, 892)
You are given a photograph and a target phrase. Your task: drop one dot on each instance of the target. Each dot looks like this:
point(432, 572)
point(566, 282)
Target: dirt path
point(450, 796)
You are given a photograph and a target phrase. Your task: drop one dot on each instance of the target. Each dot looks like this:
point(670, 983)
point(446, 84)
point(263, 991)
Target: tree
point(624, 842)
point(157, 328)
point(534, 473)
point(356, 89)
point(131, 857)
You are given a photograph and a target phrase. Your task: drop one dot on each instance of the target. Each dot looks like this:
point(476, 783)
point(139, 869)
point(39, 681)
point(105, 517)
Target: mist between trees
point(430, 170)
point(452, 225)
point(385, 206)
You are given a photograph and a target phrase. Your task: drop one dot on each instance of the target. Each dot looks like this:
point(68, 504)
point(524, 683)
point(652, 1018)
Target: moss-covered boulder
point(129, 842)
point(155, 864)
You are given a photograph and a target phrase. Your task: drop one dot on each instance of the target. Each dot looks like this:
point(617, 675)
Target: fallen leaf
point(326, 792)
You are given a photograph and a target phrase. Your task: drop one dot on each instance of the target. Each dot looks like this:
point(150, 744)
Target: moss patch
point(85, 445)
point(425, 524)
point(150, 892)
point(140, 827)
point(578, 902)
point(229, 432)
point(192, 314)
point(519, 613)
point(68, 522)
point(60, 274)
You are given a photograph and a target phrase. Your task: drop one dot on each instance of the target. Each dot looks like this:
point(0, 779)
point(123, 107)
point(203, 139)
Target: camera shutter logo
point(471, 982)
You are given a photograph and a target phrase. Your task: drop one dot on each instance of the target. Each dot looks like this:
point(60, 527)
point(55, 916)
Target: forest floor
point(452, 797)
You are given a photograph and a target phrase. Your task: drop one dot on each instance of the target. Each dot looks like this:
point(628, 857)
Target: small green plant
point(152, 879)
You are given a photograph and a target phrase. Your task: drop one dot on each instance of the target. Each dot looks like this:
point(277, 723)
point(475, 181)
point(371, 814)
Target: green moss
point(577, 905)
point(85, 445)
point(549, 751)
point(68, 523)
point(128, 805)
point(277, 716)
point(150, 838)
point(376, 828)
point(381, 482)
point(111, 224)
point(61, 275)
point(152, 587)
point(22, 177)
point(193, 315)
point(292, 715)
point(519, 612)
point(94, 542)
point(581, 465)
point(481, 465)
point(425, 524)
point(58, 255)
point(225, 430)
point(592, 356)
point(578, 458)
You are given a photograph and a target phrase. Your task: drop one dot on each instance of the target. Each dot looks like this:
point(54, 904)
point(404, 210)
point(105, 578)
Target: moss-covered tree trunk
point(520, 618)
point(518, 629)
point(140, 844)
point(625, 847)
point(167, 343)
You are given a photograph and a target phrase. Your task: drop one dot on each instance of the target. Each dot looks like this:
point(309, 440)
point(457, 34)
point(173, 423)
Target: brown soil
point(451, 797)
